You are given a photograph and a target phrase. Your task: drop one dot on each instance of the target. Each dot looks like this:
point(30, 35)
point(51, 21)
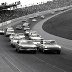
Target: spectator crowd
point(11, 14)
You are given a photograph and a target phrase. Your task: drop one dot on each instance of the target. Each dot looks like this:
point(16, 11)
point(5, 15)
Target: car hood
point(28, 45)
point(11, 37)
point(25, 23)
point(51, 46)
point(36, 38)
point(21, 36)
point(36, 42)
point(14, 41)
point(27, 31)
point(9, 32)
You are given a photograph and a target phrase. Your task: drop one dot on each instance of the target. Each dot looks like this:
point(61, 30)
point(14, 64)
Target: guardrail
point(33, 15)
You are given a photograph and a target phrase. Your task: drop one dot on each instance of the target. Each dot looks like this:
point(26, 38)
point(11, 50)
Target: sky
point(24, 2)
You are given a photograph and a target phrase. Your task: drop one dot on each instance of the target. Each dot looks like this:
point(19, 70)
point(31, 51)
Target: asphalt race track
point(28, 62)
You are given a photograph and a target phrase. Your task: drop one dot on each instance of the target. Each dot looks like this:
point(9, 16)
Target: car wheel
point(34, 52)
point(43, 51)
point(58, 52)
point(18, 51)
point(12, 45)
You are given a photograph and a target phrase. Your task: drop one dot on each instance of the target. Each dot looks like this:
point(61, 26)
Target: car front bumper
point(52, 49)
point(28, 49)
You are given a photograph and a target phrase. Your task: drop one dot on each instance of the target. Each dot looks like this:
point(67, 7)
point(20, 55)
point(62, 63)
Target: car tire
point(12, 46)
point(18, 50)
point(43, 51)
point(34, 52)
point(58, 52)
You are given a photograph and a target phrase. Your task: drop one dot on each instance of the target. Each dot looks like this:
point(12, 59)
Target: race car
point(26, 28)
point(38, 41)
point(27, 32)
point(34, 20)
point(9, 28)
point(9, 32)
point(2, 31)
point(21, 35)
point(13, 41)
point(19, 27)
point(26, 45)
point(31, 17)
point(35, 36)
point(31, 32)
point(12, 36)
point(49, 46)
point(42, 16)
point(24, 21)
point(25, 24)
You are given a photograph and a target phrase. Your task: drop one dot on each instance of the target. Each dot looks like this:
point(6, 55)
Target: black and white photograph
point(35, 35)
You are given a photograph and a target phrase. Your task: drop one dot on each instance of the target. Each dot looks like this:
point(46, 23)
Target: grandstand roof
point(8, 6)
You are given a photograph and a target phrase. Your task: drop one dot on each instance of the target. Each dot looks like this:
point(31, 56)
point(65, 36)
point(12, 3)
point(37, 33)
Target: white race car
point(42, 16)
point(32, 33)
point(12, 36)
point(2, 31)
point(35, 36)
point(25, 24)
point(37, 39)
point(31, 17)
point(27, 32)
point(13, 41)
point(26, 28)
point(21, 35)
point(34, 20)
point(9, 32)
point(49, 46)
point(26, 45)
point(19, 27)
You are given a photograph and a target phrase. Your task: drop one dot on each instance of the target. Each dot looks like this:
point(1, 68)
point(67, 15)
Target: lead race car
point(49, 46)
point(26, 45)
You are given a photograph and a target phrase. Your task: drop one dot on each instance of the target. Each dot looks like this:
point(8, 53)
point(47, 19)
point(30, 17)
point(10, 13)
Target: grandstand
point(18, 12)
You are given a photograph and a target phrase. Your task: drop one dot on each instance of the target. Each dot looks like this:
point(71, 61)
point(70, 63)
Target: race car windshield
point(37, 40)
point(21, 34)
point(10, 31)
point(10, 28)
point(49, 42)
point(27, 42)
point(35, 35)
point(17, 38)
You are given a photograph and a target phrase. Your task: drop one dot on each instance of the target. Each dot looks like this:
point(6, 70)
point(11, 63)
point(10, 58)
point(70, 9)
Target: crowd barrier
point(34, 15)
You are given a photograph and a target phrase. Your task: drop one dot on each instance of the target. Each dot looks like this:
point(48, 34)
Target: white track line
point(49, 64)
